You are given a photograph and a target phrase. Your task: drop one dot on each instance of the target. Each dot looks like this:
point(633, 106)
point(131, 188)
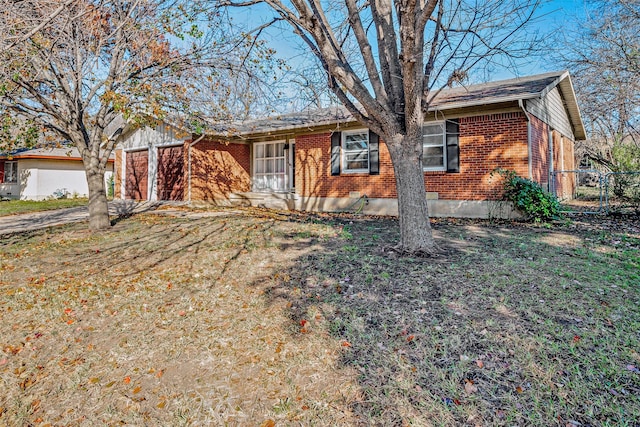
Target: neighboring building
point(41, 173)
point(325, 161)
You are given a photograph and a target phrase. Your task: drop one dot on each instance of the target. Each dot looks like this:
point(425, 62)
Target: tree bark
point(413, 213)
point(98, 208)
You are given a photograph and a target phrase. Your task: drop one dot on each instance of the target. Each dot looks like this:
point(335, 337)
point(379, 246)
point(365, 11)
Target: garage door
point(137, 175)
point(170, 173)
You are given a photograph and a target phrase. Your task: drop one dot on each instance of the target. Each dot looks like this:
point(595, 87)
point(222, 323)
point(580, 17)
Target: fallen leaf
point(576, 338)
point(632, 368)
point(137, 390)
point(268, 423)
point(94, 380)
point(346, 344)
point(410, 338)
point(127, 380)
point(469, 387)
point(480, 363)
point(162, 404)
point(519, 389)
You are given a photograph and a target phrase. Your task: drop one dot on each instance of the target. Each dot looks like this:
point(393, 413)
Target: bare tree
point(386, 60)
point(71, 68)
point(606, 64)
point(25, 26)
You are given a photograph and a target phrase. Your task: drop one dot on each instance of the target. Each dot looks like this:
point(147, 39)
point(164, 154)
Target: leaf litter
point(299, 319)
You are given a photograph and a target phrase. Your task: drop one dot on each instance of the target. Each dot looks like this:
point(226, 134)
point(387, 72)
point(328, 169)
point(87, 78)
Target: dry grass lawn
point(250, 318)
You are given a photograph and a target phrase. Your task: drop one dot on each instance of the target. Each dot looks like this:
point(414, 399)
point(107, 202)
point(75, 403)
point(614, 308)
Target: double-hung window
point(269, 166)
point(355, 151)
point(434, 153)
point(11, 172)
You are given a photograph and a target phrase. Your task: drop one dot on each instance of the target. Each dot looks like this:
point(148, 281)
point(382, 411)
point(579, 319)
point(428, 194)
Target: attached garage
point(137, 175)
point(170, 173)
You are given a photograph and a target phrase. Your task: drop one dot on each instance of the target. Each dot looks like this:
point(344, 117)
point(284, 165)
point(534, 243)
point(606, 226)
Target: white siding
point(40, 178)
point(550, 109)
point(162, 135)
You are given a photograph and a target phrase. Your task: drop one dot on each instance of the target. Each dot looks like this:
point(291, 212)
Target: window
point(11, 172)
point(433, 147)
point(269, 169)
point(355, 151)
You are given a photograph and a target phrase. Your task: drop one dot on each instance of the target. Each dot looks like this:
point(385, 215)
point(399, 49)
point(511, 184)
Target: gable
point(551, 110)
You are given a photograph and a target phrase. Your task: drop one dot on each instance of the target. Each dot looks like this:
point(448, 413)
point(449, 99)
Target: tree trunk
point(415, 229)
point(98, 208)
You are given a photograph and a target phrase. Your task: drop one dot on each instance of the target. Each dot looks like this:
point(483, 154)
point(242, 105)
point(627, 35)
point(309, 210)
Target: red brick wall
point(117, 172)
point(217, 169)
point(486, 143)
point(540, 151)
point(313, 172)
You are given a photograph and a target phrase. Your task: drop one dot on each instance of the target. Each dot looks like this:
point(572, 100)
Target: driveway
point(38, 220)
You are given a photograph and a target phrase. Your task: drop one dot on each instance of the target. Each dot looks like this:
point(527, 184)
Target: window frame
point(14, 167)
point(443, 145)
point(274, 159)
point(344, 151)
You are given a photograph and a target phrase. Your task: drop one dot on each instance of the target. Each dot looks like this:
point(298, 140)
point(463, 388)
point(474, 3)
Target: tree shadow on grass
point(512, 326)
point(482, 335)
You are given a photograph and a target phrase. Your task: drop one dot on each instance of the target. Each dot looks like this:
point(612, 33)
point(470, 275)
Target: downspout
point(529, 149)
point(189, 166)
point(552, 181)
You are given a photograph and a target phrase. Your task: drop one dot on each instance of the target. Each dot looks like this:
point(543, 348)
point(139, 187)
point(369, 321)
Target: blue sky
point(553, 18)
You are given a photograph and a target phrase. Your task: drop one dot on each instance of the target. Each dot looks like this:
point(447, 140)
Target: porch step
point(284, 201)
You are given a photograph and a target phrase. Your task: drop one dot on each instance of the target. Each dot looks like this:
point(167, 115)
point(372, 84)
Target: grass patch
point(13, 207)
point(214, 319)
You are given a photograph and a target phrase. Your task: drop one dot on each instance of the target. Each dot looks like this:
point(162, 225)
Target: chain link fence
point(622, 192)
point(591, 191)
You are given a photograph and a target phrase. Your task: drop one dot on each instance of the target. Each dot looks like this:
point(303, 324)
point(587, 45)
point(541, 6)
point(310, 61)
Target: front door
point(269, 171)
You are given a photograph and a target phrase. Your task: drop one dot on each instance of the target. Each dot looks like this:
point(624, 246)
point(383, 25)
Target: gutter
point(200, 138)
point(529, 149)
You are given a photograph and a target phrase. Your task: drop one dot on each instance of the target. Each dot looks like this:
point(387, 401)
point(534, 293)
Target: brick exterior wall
point(117, 175)
point(486, 143)
point(540, 151)
point(313, 172)
point(217, 169)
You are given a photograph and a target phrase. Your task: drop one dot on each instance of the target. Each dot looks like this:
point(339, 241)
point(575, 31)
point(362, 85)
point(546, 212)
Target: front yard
point(12, 207)
point(254, 317)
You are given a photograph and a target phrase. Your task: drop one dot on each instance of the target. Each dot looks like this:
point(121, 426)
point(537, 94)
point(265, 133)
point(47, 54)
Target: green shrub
point(110, 186)
point(528, 197)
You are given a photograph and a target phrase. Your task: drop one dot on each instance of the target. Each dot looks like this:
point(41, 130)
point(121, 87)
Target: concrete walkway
point(38, 220)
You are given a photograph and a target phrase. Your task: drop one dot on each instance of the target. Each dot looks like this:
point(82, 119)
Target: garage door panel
point(171, 173)
point(137, 171)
